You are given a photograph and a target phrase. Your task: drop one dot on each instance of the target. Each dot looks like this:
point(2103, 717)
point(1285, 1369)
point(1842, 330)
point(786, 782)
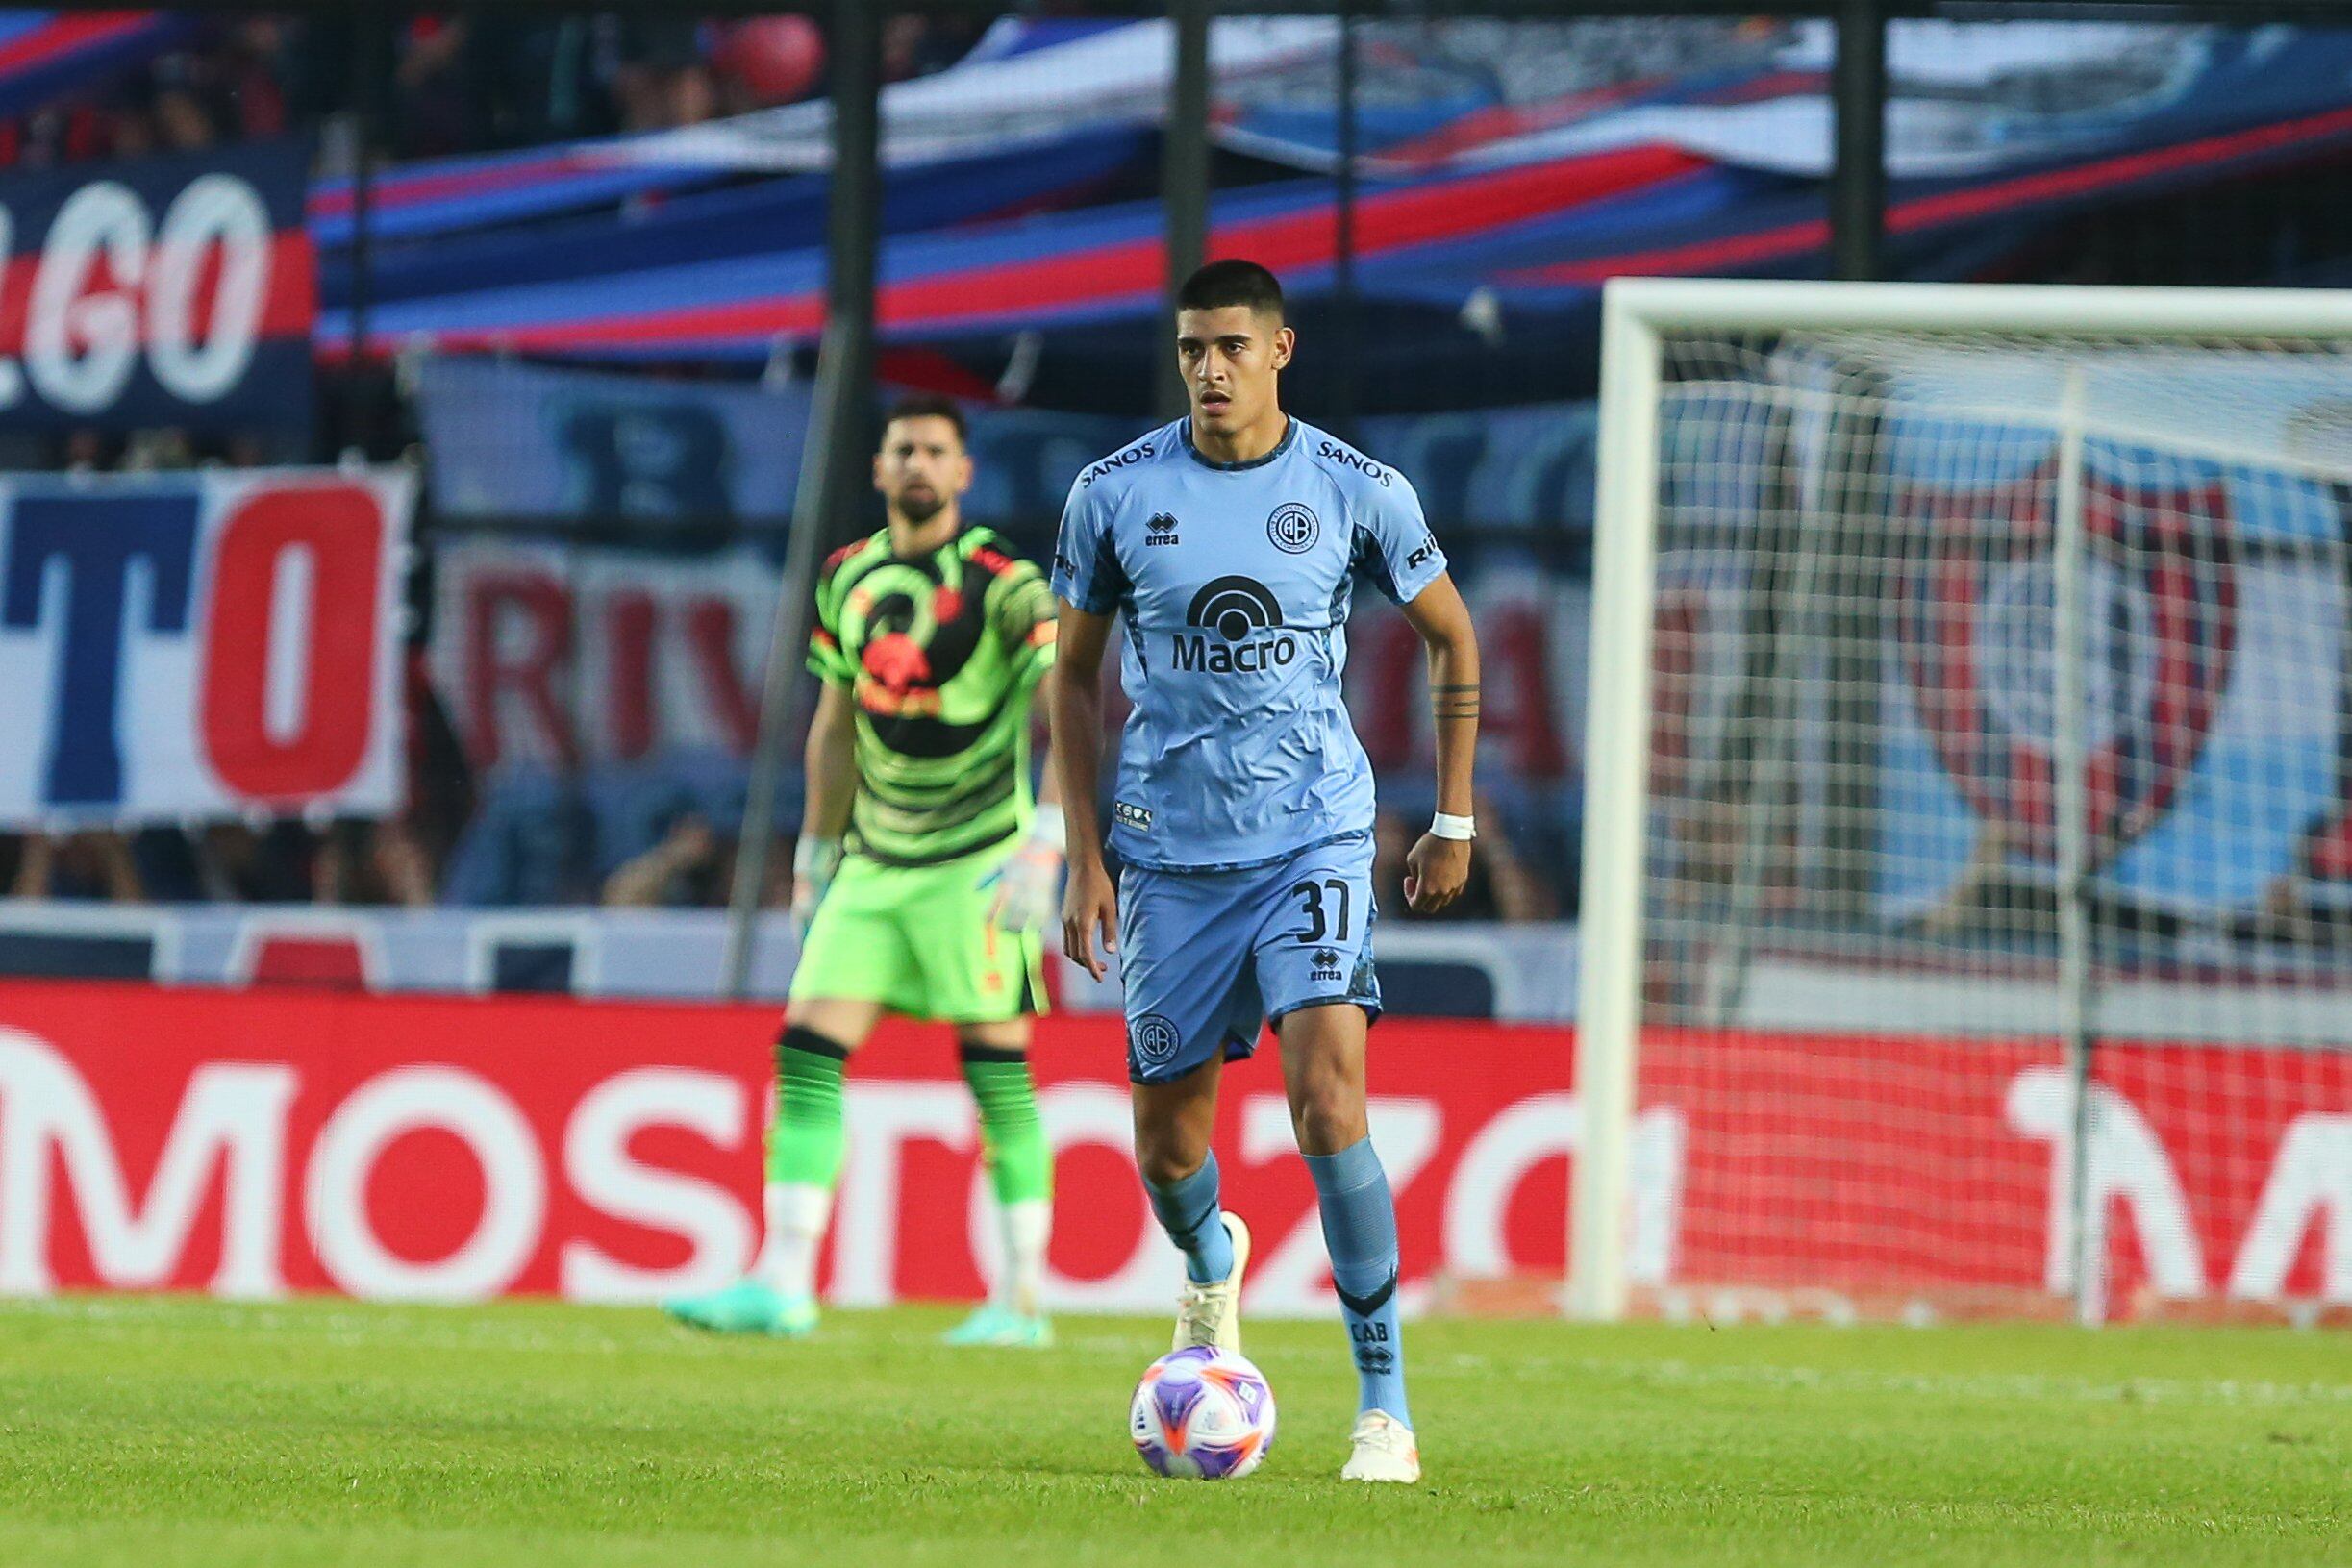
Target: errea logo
point(1326, 962)
point(1161, 530)
point(1236, 609)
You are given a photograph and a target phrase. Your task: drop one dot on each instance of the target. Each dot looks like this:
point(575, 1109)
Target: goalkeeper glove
point(814, 860)
point(1029, 884)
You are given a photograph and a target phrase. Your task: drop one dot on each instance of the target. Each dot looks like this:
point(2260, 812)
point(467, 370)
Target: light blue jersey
point(1233, 581)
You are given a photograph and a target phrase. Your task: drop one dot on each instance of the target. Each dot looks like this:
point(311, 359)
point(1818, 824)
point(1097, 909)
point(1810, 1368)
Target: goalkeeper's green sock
point(1020, 1167)
point(803, 1157)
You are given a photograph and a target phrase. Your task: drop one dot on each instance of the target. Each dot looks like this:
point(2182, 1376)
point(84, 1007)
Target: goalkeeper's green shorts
point(919, 940)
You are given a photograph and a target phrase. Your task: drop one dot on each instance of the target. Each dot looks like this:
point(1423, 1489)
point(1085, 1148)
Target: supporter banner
point(192, 645)
point(1963, 97)
point(1035, 90)
point(515, 440)
point(1003, 95)
point(512, 440)
point(567, 654)
point(172, 290)
point(2215, 614)
point(550, 654)
point(454, 1151)
point(47, 54)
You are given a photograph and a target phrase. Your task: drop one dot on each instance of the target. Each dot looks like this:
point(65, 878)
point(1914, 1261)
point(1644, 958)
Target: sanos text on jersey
point(1334, 452)
point(1120, 460)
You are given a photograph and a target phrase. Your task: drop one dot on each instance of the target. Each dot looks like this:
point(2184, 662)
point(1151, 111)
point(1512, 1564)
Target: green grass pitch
point(157, 1431)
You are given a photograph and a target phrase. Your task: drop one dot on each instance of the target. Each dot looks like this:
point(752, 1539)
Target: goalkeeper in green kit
point(923, 876)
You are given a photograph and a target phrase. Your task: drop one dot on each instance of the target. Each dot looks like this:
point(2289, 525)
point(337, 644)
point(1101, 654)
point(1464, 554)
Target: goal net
point(1967, 904)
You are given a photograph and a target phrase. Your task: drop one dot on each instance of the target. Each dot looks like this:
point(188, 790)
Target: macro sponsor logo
point(1421, 552)
point(1334, 452)
point(1234, 608)
point(1116, 461)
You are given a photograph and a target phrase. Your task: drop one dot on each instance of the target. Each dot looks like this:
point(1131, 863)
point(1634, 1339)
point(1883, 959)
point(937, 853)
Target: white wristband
point(1048, 826)
point(1443, 825)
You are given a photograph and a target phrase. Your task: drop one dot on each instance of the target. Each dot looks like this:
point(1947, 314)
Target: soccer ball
point(1203, 1414)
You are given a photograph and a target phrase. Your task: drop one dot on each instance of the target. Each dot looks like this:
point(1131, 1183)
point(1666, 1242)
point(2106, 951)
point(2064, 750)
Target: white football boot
point(1211, 1314)
point(1385, 1450)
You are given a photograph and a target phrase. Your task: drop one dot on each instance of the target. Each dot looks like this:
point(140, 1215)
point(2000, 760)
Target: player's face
point(1229, 357)
point(921, 466)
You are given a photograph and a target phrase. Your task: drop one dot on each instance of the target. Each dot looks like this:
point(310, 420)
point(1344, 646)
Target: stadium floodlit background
point(414, 425)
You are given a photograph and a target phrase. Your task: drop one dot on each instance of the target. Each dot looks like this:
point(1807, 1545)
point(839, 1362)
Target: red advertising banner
point(455, 1149)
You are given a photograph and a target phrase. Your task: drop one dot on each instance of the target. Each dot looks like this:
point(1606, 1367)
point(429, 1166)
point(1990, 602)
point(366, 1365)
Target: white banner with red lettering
point(569, 654)
point(191, 645)
point(563, 654)
point(439, 1149)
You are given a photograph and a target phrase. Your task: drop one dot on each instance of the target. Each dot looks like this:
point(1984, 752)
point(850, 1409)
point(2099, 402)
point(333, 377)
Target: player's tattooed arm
point(1074, 708)
point(1436, 868)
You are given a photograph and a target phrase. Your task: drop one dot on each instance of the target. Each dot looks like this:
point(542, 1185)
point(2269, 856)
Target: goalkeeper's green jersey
point(940, 654)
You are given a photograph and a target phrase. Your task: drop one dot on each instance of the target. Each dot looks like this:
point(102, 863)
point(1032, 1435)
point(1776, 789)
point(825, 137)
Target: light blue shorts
point(1208, 957)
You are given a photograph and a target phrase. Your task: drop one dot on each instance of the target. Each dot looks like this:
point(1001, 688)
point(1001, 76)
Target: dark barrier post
point(1858, 183)
point(371, 72)
point(824, 507)
point(1184, 170)
point(1343, 239)
point(1859, 541)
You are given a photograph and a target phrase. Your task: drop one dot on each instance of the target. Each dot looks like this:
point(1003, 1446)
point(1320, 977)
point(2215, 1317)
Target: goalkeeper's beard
point(920, 506)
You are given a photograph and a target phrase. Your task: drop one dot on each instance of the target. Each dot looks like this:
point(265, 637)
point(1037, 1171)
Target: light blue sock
point(1360, 1232)
point(1190, 1213)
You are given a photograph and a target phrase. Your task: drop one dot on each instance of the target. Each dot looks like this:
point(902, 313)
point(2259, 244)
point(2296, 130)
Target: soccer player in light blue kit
point(1229, 544)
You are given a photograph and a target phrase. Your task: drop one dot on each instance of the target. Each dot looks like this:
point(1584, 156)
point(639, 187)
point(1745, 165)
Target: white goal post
point(2008, 616)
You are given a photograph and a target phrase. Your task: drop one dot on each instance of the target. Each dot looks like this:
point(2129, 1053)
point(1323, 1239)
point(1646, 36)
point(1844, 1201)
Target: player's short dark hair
point(929, 406)
point(1231, 282)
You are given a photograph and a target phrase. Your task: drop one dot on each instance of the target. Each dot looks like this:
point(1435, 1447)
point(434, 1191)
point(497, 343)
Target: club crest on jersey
point(1975, 620)
point(1237, 609)
point(1293, 529)
point(1154, 1040)
point(1161, 530)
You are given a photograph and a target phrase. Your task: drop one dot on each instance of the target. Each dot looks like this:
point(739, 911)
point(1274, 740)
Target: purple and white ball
point(1202, 1414)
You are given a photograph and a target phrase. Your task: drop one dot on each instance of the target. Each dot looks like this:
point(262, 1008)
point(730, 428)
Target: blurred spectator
point(664, 80)
point(239, 863)
point(684, 869)
point(773, 60)
point(371, 863)
point(442, 108)
point(1501, 886)
point(182, 121)
point(528, 844)
point(95, 863)
point(920, 45)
